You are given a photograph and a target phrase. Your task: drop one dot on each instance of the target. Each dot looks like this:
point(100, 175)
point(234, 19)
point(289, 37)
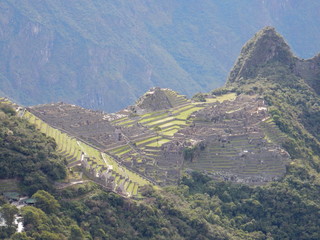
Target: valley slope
point(104, 55)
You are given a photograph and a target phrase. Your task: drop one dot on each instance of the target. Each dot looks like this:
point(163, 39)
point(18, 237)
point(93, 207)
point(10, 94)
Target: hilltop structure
point(230, 136)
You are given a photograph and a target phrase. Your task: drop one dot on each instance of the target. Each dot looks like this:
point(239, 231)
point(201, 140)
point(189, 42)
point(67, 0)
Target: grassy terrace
point(185, 114)
point(123, 171)
point(173, 123)
point(119, 120)
point(170, 131)
point(72, 149)
point(147, 140)
point(153, 117)
point(66, 144)
point(272, 132)
point(158, 143)
point(159, 121)
point(165, 122)
point(176, 99)
point(224, 97)
point(127, 122)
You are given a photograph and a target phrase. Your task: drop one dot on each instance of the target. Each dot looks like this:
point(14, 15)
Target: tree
point(33, 217)
point(7, 109)
point(76, 233)
point(8, 212)
point(20, 236)
point(46, 201)
point(45, 235)
point(199, 97)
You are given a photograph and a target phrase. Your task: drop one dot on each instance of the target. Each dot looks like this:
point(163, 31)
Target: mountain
point(265, 47)
point(267, 66)
point(261, 131)
point(104, 55)
point(268, 47)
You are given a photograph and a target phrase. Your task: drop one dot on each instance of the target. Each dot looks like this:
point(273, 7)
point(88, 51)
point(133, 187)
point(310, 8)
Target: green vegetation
point(68, 146)
point(158, 143)
point(170, 131)
point(199, 97)
point(152, 117)
point(9, 185)
point(223, 97)
point(27, 154)
point(159, 121)
point(185, 114)
point(147, 140)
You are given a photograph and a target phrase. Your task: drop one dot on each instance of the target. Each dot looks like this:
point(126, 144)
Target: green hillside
point(26, 156)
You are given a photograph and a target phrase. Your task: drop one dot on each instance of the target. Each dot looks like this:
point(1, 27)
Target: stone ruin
point(103, 176)
point(233, 140)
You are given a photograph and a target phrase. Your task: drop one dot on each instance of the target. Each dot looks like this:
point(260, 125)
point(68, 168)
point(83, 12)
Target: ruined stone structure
point(233, 139)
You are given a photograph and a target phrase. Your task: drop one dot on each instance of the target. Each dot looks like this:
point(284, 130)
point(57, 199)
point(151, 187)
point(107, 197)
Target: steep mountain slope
point(266, 66)
point(103, 55)
point(26, 154)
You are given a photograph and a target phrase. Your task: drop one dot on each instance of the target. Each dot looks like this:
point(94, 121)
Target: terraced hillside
point(98, 166)
point(227, 136)
point(240, 142)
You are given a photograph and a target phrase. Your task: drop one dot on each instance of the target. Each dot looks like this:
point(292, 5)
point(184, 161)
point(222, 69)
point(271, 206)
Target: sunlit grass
point(181, 109)
point(160, 121)
point(119, 120)
point(185, 114)
point(147, 140)
point(153, 118)
point(224, 97)
point(172, 123)
point(123, 171)
point(158, 143)
point(125, 122)
point(170, 132)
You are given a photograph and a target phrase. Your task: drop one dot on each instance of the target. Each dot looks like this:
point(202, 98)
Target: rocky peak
point(309, 70)
point(153, 100)
point(266, 46)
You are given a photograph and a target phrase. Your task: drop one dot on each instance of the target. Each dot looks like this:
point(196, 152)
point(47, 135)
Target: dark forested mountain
point(104, 54)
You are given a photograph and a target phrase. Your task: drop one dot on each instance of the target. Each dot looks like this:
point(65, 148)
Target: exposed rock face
point(153, 100)
point(266, 46)
point(310, 71)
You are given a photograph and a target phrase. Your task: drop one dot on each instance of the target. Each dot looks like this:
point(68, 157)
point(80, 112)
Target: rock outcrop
point(268, 49)
point(265, 47)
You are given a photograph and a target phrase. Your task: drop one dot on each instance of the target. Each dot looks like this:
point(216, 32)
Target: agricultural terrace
point(160, 136)
point(73, 149)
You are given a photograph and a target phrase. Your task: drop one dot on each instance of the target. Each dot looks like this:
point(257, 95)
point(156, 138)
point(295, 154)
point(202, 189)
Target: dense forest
point(27, 154)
